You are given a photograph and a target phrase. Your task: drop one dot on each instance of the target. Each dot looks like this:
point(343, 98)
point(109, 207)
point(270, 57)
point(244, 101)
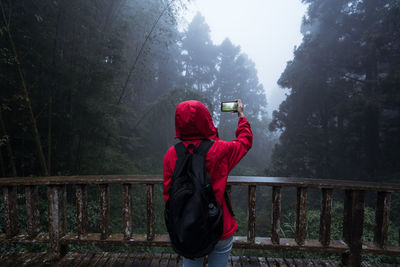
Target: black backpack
point(192, 214)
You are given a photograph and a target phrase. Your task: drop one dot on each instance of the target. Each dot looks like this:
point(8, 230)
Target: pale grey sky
point(266, 31)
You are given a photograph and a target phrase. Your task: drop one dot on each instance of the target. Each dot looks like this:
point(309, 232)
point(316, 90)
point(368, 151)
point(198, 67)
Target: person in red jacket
point(193, 123)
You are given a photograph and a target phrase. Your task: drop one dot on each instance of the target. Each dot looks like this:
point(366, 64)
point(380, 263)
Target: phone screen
point(229, 106)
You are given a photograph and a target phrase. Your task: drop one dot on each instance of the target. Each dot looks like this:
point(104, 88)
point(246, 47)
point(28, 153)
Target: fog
point(92, 88)
point(267, 31)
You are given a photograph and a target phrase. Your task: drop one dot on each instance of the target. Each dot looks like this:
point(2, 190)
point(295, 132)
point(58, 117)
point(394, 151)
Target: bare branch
point(26, 95)
point(9, 148)
point(358, 80)
point(141, 51)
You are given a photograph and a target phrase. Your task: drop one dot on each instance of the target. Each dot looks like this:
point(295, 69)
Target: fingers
point(240, 108)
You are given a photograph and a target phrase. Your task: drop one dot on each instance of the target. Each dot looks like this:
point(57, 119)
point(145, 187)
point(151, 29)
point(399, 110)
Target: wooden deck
point(350, 249)
point(129, 259)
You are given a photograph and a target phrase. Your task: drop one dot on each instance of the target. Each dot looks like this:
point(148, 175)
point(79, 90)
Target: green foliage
point(239, 201)
point(288, 229)
point(104, 89)
point(103, 85)
point(341, 117)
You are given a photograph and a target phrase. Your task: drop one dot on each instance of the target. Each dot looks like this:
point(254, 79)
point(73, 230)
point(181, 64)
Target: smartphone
point(229, 106)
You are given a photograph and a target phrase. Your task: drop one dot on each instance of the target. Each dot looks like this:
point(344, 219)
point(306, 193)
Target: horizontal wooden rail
point(335, 247)
point(232, 180)
point(351, 248)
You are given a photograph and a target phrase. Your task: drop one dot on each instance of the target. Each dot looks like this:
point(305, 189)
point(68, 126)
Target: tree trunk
point(26, 95)
point(50, 122)
point(49, 135)
point(2, 166)
point(371, 115)
point(132, 69)
point(9, 148)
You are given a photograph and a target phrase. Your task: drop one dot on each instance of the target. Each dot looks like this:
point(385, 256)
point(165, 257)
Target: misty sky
point(266, 31)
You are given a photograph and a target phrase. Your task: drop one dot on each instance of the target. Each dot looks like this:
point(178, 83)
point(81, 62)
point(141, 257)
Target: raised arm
point(244, 139)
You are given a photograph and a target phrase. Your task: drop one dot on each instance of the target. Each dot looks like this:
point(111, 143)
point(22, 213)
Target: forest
point(90, 87)
point(342, 117)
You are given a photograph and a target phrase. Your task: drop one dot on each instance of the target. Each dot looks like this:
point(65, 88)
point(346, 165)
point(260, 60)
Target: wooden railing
point(351, 247)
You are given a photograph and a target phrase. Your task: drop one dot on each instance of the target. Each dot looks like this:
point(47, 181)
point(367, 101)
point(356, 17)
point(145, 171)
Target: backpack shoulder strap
point(228, 203)
point(180, 150)
point(204, 146)
point(181, 153)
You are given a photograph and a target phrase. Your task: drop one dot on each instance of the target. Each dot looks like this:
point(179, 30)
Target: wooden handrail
point(232, 180)
point(351, 247)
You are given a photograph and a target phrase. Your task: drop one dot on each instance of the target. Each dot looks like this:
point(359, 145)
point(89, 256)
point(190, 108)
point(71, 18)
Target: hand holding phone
point(229, 106)
point(233, 106)
point(240, 108)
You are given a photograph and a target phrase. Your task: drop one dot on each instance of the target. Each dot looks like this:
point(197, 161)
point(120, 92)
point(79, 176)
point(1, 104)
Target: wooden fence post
point(32, 210)
point(325, 219)
point(104, 197)
point(382, 218)
point(150, 211)
point(354, 229)
point(276, 214)
point(347, 215)
point(10, 208)
point(81, 209)
point(251, 226)
point(56, 195)
point(127, 210)
point(301, 209)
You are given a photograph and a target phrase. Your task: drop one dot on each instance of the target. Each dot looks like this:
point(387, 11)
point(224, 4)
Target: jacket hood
point(193, 121)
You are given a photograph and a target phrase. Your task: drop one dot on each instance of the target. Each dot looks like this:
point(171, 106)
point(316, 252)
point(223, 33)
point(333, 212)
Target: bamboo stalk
point(26, 96)
point(9, 148)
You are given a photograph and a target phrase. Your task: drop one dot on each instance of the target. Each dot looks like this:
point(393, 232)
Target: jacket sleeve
point(169, 166)
point(243, 142)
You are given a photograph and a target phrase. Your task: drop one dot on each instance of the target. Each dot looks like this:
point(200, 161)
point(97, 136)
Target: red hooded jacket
point(193, 121)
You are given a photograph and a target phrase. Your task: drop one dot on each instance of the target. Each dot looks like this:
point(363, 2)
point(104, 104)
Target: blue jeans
point(217, 258)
